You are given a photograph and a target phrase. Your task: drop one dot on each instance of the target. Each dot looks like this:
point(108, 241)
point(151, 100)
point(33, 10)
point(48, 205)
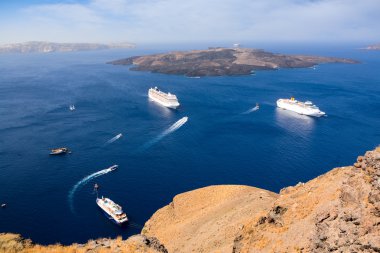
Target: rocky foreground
point(335, 212)
point(222, 61)
point(48, 47)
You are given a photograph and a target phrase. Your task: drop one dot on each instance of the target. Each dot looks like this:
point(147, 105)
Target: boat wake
point(113, 139)
point(168, 131)
point(252, 110)
point(84, 181)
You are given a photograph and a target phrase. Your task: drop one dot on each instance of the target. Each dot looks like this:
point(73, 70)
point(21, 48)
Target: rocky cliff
point(222, 61)
point(335, 212)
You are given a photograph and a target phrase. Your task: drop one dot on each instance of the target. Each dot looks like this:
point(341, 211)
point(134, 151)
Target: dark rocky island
point(47, 47)
point(222, 61)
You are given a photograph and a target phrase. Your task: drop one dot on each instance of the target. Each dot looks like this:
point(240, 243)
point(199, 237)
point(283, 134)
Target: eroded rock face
point(336, 212)
point(207, 219)
point(222, 61)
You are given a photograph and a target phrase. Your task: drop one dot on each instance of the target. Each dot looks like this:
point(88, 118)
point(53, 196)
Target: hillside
point(335, 212)
point(222, 61)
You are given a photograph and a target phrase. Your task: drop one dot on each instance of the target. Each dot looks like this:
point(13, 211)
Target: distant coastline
point(48, 47)
point(372, 47)
point(222, 62)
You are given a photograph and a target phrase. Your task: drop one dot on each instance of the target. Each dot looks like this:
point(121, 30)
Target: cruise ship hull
point(168, 105)
point(112, 219)
point(299, 109)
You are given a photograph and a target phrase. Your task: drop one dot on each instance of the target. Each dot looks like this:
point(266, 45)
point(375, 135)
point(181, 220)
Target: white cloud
point(69, 13)
point(198, 20)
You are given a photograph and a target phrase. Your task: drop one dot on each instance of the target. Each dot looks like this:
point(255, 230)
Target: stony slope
point(222, 61)
point(335, 212)
point(208, 219)
point(12, 243)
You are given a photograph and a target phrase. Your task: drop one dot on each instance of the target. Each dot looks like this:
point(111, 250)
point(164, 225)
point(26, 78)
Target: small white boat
point(113, 167)
point(60, 151)
point(3, 205)
point(72, 107)
point(112, 210)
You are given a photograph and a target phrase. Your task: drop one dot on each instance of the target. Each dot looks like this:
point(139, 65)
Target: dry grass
point(12, 243)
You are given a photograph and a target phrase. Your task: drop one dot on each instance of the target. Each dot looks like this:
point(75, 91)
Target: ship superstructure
point(112, 210)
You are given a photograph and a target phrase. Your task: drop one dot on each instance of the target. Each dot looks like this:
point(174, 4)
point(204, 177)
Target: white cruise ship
point(166, 99)
point(112, 210)
point(305, 108)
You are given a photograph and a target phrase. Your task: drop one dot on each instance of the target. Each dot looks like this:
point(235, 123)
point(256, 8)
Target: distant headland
point(222, 62)
point(47, 47)
point(372, 47)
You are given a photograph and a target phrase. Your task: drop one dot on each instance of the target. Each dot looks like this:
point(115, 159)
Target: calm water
point(268, 148)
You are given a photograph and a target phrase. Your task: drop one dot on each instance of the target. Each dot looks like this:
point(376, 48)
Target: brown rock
point(334, 212)
point(208, 219)
point(222, 61)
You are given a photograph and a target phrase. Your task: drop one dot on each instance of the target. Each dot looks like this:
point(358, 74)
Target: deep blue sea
point(219, 144)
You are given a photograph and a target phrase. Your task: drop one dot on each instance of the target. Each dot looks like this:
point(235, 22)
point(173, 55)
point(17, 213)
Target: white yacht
point(305, 108)
point(112, 210)
point(112, 168)
point(166, 99)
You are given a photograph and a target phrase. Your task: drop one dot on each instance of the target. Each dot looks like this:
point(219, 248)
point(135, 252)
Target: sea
point(224, 141)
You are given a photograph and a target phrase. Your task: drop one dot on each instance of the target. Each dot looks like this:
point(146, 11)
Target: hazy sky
point(160, 21)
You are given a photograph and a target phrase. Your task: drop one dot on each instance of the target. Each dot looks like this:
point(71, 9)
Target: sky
point(188, 21)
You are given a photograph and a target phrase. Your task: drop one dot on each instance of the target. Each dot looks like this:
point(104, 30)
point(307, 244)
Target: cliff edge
point(335, 212)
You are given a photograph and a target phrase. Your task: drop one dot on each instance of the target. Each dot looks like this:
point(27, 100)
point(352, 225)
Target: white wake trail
point(168, 131)
point(114, 139)
point(82, 182)
point(252, 110)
